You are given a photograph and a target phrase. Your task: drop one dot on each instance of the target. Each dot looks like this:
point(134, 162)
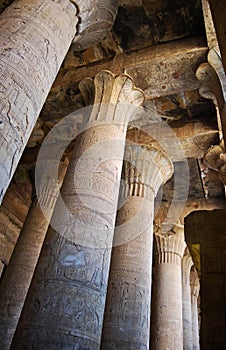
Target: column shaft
point(65, 303)
point(35, 37)
point(127, 311)
point(194, 309)
point(18, 275)
point(186, 301)
point(167, 326)
point(219, 14)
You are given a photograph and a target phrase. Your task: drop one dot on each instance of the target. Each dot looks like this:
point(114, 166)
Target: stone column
point(19, 273)
point(35, 37)
point(167, 326)
point(206, 237)
point(2, 266)
point(65, 303)
point(219, 14)
point(195, 286)
point(212, 88)
point(186, 301)
point(127, 310)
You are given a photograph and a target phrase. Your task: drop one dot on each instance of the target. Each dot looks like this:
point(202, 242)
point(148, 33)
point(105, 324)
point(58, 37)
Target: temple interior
point(112, 175)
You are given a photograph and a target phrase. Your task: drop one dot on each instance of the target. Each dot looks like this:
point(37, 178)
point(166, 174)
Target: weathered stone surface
point(168, 68)
point(166, 323)
point(187, 263)
point(195, 287)
point(17, 279)
point(95, 20)
point(127, 310)
point(28, 69)
point(187, 138)
point(218, 12)
point(71, 276)
point(206, 229)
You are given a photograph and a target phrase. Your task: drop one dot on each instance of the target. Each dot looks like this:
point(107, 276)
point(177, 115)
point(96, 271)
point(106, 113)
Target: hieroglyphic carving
point(16, 281)
point(30, 57)
point(69, 287)
point(127, 310)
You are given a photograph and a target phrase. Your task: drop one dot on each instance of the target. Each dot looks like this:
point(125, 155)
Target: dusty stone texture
point(127, 310)
point(2, 266)
point(195, 287)
point(159, 72)
point(30, 57)
point(218, 12)
point(13, 212)
point(166, 323)
point(95, 20)
point(209, 25)
point(206, 230)
point(17, 279)
point(65, 303)
point(187, 263)
point(212, 77)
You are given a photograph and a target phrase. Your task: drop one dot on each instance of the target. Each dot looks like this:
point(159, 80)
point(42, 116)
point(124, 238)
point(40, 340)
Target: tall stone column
point(219, 14)
point(186, 301)
point(167, 325)
point(19, 273)
point(65, 304)
point(127, 310)
point(195, 286)
point(206, 238)
point(35, 37)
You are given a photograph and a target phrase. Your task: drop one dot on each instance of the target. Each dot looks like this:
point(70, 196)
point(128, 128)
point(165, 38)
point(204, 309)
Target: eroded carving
point(96, 19)
point(127, 311)
point(215, 159)
point(74, 262)
point(30, 57)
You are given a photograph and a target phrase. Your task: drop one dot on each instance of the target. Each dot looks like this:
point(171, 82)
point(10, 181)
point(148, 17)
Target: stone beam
point(159, 70)
point(195, 136)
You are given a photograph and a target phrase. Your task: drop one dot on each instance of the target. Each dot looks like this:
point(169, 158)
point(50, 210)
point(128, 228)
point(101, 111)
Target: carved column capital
point(96, 18)
point(187, 263)
point(145, 169)
point(211, 85)
point(170, 246)
point(113, 99)
point(215, 159)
